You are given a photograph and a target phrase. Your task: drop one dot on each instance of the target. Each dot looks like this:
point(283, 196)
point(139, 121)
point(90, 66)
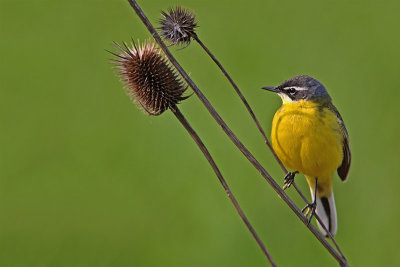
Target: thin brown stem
point(320, 221)
point(249, 109)
point(224, 184)
point(261, 130)
point(232, 136)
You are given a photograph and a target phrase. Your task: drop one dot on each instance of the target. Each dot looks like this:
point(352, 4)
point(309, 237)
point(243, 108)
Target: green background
point(86, 179)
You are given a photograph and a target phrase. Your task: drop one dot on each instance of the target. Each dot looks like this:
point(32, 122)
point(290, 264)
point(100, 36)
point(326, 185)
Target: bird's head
point(301, 87)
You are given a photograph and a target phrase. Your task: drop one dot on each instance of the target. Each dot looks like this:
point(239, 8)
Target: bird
point(309, 137)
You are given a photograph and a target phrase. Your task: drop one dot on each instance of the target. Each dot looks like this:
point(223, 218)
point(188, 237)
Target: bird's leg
point(289, 179)
point(313, 205)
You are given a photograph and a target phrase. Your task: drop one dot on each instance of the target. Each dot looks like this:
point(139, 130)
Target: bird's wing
point(344, 168)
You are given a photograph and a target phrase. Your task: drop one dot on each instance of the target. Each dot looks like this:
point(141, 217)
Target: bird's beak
point(271, 88)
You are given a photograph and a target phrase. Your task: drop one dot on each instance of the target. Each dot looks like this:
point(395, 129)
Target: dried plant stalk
point(203, 148)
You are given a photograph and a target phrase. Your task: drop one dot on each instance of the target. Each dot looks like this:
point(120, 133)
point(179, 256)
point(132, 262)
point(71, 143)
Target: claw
point(289, 179)
point(308, 207)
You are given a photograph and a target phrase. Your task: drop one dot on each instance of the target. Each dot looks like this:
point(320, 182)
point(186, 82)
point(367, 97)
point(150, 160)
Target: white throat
point(285, 98)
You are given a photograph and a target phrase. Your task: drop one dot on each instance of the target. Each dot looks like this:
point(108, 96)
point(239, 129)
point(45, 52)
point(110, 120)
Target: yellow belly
point(307, 138)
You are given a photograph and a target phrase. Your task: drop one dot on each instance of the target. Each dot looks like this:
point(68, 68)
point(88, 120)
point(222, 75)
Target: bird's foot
point(289, 179)
point(310, 207)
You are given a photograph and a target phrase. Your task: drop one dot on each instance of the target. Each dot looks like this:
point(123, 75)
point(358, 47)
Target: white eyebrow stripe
point(295, 87)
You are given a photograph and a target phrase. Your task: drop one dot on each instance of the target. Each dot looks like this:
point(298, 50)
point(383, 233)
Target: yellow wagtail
point(309, 136)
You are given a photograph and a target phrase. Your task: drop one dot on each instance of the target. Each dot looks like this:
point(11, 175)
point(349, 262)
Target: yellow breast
point(307, 138)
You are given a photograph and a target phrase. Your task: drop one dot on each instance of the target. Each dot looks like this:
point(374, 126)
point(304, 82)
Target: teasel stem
point(249, 109)
point(232, 136)
point(224, 184)
point(330, 236)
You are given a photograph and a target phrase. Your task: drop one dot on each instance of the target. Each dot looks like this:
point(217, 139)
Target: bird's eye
point(292, 91)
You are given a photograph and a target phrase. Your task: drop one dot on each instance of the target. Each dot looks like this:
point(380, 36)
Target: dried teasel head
point(149, 79)
point(178, 27)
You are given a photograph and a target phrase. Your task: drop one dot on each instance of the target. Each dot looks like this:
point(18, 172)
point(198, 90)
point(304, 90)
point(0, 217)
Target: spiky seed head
point(149, 79)
point(178, 25)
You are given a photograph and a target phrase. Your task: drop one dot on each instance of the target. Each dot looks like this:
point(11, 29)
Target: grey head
point(301, 87)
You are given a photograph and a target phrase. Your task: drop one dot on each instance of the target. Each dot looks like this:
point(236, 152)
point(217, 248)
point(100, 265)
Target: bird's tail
point(326, 211)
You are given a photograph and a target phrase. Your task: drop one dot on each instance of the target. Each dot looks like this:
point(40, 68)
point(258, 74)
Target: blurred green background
point(86, 179)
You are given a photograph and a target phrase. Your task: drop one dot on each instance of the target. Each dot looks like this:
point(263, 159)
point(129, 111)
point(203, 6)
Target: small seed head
point(178, 27)
point(149, 79)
